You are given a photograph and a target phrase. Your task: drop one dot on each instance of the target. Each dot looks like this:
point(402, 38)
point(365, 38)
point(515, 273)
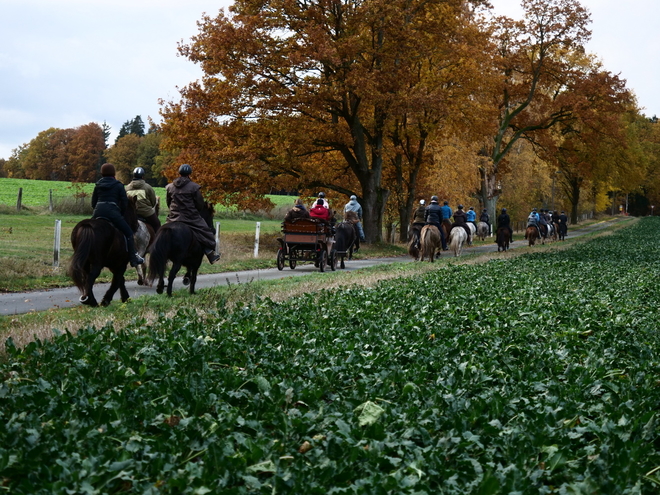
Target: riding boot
point(211, 255)
point(134, 258)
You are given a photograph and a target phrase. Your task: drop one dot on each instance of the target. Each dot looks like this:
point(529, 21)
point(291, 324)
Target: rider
point(146, 198)
point(543, 224)
point(504, 222)
point(433, 216)
point(562, 221)
point(353, 205)
point(109, 201)
point(533, 221)
point(460, 220)
point(325, 201)
point(446, 211)
point(472, 216)
point(485, 218)
point(418, 220)
point(185, 202)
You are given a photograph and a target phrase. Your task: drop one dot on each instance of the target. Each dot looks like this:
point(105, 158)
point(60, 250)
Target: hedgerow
point(537, 374)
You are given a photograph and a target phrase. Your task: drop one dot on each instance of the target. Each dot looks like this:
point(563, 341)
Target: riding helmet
point(422, 202)
point(185, 169)
point(353, 197)
point(321, 195)
point(138, 173)
point(108, 170)
point(434, 198)
point(503, 210)
point(471, 208)
point(460, 207)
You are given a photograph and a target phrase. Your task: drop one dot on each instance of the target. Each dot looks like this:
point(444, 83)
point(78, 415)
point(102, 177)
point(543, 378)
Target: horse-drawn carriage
point(306, 240)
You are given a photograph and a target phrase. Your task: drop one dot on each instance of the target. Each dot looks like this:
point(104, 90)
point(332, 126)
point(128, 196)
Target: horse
point(446, 228)
point(98, 244)
point(531, 234)
point(346, 240)
point(473, 231)
point(457, 237)
point(502, 237)
point(482, 230)
point(430, 242)
point(176, 241)
point(414, 242)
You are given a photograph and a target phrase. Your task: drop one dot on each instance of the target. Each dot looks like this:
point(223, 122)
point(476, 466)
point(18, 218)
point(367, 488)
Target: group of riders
point(184, 199)
point(434, 214)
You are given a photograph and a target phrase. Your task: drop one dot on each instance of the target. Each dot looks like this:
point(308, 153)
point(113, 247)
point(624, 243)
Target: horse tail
point(158, 254)
point(84, 235)
point(427, 242)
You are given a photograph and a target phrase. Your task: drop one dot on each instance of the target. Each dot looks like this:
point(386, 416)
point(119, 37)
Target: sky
point(67, 63)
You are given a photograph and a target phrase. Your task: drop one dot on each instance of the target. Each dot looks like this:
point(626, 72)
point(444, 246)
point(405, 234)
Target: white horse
point(482, 230)
point(142, 239)
point(457, 237)
point(473, 230)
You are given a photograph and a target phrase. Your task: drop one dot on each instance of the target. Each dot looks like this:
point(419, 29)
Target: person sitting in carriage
point(146, 201)
point(321, 212)
point(185, 201)
point(485, 218)
point(472, 216)
point(460, 220)
point(533, 221)
point(418, 222)
point(504, 222)
point(298, 211)
point(109, 201)
point(433, 216)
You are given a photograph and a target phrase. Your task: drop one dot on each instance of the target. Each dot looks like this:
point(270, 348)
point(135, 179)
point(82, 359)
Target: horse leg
point(170, 279)
point(117, 282)
point(88, 295)
point(342, 265)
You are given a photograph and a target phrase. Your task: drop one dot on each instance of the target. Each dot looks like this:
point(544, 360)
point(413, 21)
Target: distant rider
point(433, 216)
point(147, 201)
point(504, 222)
point(446, 211)
point(109, 201)
point(533, 221)
point(485, 218)
point(472, 216)
point(418, 221)
point(460, 220)
point(562, 221)
point(353, 205)
point(185, 201)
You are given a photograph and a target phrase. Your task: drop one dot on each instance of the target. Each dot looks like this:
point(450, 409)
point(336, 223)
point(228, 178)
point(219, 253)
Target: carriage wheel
point(280, 259)
point(293, 264)
point(323, 258)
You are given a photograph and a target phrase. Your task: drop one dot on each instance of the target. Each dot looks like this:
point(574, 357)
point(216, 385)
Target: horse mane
point(351, 216)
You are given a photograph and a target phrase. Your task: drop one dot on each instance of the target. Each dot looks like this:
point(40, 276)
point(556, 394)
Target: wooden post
point(56, 244)
point(50, 201)
point(256, 240)
point(217, 237)
point(19, 200)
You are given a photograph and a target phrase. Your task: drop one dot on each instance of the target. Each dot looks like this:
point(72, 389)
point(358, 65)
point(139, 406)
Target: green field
point(536, 374)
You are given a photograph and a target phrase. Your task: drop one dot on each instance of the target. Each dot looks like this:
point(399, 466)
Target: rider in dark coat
point(109, 201)
point(184, 198)
point(433, 216)
point(485, 218)
point(562, 221)
point(460, 220)
point(504, 221)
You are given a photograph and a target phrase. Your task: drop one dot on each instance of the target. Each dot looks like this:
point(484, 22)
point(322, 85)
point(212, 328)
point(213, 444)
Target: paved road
point(25, 302)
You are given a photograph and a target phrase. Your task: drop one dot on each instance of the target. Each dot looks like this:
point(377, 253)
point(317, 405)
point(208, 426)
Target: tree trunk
point(489, 193)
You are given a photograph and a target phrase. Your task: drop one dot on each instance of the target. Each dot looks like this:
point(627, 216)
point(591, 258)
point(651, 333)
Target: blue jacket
point(446, 212)
point(471, 215)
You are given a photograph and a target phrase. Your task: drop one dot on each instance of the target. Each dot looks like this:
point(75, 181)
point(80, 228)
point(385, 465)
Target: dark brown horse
point(98, 244)
point(176, 241)
point(531, 234)
point(502, 238)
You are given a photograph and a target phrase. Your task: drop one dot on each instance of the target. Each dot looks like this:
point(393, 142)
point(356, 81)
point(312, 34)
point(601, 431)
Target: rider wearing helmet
point(356, 207)
point(504, 222)
point(109, 201)
point(472, 216)
point(485, 218)
point(460, 220)
point(184, 198)
point(325, 201)
point(147, 201)
point(417, 222)
point(533, 221)
point(433, 216)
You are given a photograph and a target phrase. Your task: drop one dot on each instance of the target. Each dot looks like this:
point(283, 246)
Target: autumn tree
point(124, 156)
point(535, 66)
point(306, 93)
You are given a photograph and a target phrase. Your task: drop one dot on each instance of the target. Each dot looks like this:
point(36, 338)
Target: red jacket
point(320, 212)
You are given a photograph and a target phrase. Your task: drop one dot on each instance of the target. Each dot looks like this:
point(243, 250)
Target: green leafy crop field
point(537, 374)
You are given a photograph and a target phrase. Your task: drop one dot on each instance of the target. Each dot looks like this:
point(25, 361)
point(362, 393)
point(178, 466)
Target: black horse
point(347, 240)
point(176, 241)
point(98, 244)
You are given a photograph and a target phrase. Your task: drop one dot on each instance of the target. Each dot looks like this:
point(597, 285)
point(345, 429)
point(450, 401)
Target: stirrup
point(136, 260)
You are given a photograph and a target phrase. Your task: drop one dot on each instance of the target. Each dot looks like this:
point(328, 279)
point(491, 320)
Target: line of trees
point(395, 100)
point(76, 154)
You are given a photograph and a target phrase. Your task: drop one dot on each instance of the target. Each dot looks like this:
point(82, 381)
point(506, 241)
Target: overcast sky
point(66, 63)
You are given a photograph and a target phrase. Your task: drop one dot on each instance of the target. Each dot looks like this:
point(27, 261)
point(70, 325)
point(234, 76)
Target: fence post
point(50, 200)
point(19, 200)
point(256, 240)
point(56, 243)
point(217, 237)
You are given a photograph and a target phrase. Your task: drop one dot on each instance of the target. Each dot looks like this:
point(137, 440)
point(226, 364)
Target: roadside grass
point(26, 328)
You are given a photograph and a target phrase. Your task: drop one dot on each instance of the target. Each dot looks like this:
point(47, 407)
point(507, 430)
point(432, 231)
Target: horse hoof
point(105, 303)
point(140, 282)
point(186, 281)
point(84, 299)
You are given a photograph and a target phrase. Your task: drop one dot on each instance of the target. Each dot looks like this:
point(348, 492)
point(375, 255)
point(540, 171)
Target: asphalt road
point(25, 302)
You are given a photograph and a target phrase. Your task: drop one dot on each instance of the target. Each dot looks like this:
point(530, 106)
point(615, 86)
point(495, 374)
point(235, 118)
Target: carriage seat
point(306, 226)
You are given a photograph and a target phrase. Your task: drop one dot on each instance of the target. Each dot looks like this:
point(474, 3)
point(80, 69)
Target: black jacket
point(504, 220)
point(433, 213)
point(110, 190)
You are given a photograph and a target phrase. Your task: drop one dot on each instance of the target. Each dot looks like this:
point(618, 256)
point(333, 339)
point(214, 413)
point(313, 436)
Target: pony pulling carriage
point(306, 240)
